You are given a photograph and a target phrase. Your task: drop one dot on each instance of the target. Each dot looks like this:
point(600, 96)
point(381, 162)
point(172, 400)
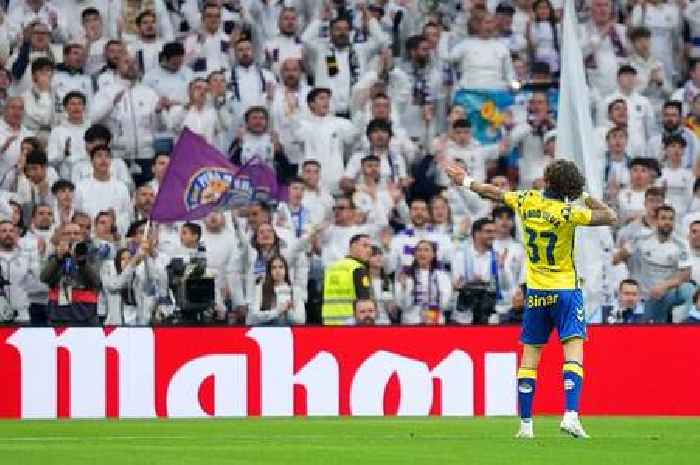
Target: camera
point(81, 250)
point(194, 291)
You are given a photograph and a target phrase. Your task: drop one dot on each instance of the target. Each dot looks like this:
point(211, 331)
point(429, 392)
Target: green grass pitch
point(615, 440)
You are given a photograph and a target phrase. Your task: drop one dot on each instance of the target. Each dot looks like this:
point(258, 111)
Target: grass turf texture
point(623, 440)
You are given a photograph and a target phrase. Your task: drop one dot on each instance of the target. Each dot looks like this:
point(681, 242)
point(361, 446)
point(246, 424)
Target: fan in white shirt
point(291, 94)
point(66, 145)
point(392, 166)
point(34, 185)
point(617, 117)
point(374, 200)
point(90, 34)
point(286, 45)
point(12, 133)
point(641, 124)
point(147, 46)
point(677, 180)
point(102, 192)
point(630, 201)
point(316, 198)
point(209, 121)
point(617, 173)
point(160, 166)
point(484, 60)
point(207, 49)
point(324, 136)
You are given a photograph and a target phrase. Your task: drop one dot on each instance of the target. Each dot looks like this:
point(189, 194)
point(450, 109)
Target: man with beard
point(664, 268)
point(286, 98)
point(106, 75)
point(15, 275)
point(144, 198)
point(250, 85)
point(285, 45)
point(424, 80)
point(131, 111)
point(338, 64)
point(364, 313)
point(672, 120)
point(35, 245)
point(147, 46)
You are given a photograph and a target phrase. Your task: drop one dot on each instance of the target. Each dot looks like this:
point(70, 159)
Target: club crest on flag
point(209, 186)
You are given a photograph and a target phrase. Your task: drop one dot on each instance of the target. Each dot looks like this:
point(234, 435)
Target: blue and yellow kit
point(553, 296)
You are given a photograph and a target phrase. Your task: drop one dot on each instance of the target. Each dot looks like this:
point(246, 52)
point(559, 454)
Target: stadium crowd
point(351, 103)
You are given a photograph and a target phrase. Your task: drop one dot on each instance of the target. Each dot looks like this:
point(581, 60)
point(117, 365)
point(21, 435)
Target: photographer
point(480, 276)
point(15, 273)
point(73, 280)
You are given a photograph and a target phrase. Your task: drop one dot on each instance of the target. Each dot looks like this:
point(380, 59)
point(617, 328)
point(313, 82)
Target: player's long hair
point(564, 180)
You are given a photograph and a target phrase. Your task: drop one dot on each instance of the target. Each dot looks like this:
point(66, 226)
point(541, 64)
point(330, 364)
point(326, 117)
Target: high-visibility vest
point(339, 291)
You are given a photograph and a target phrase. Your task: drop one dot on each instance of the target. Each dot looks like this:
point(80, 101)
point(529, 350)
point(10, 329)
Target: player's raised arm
point(602, 215)
point(459, 178)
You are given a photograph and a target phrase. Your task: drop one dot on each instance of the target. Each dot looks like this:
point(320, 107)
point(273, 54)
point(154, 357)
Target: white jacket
point(16, 269)
point(296, 315)
point(133, 119)
point(146, 280)
point(340, 83)
point(59, 142)
point(324, 139)
point(65, 81)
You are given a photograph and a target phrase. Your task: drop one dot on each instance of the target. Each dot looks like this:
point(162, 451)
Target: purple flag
point(200, 180)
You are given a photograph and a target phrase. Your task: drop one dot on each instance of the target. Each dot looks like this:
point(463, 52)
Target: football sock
point(573, 384)
point(526, 392)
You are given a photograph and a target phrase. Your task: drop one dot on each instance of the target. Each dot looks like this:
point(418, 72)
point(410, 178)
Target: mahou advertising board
point(198, 372)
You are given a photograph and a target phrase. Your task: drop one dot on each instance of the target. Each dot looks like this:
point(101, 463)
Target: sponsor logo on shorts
point(524, 388)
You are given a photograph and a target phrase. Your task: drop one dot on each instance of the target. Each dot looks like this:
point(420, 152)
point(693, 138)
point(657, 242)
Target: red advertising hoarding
point(191, 372)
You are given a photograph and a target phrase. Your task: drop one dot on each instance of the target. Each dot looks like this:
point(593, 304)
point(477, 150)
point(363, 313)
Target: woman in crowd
point(543, 36)
point(424, 291)
point(276, 302)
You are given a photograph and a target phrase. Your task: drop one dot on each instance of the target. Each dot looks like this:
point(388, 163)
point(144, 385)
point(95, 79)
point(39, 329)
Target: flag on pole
point(200, 180)
point(575, 141)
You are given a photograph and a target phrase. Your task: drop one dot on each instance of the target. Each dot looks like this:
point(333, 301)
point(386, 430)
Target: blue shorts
point(548, 309)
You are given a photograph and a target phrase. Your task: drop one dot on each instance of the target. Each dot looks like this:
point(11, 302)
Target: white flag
point(575, 141)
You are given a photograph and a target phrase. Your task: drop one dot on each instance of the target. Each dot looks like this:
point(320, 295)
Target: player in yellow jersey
point(554, 300)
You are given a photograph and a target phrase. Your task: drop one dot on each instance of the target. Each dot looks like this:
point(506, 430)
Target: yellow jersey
point(549, 226)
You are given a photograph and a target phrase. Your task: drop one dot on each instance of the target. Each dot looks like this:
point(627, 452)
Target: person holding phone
point(276, 301)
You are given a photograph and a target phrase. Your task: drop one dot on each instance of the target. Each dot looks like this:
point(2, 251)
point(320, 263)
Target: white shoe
point(571, 425)
point(526, 430)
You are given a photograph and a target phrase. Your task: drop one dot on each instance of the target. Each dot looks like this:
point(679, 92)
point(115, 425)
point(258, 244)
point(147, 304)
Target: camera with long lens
point(193, 289)
point(81, 250)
